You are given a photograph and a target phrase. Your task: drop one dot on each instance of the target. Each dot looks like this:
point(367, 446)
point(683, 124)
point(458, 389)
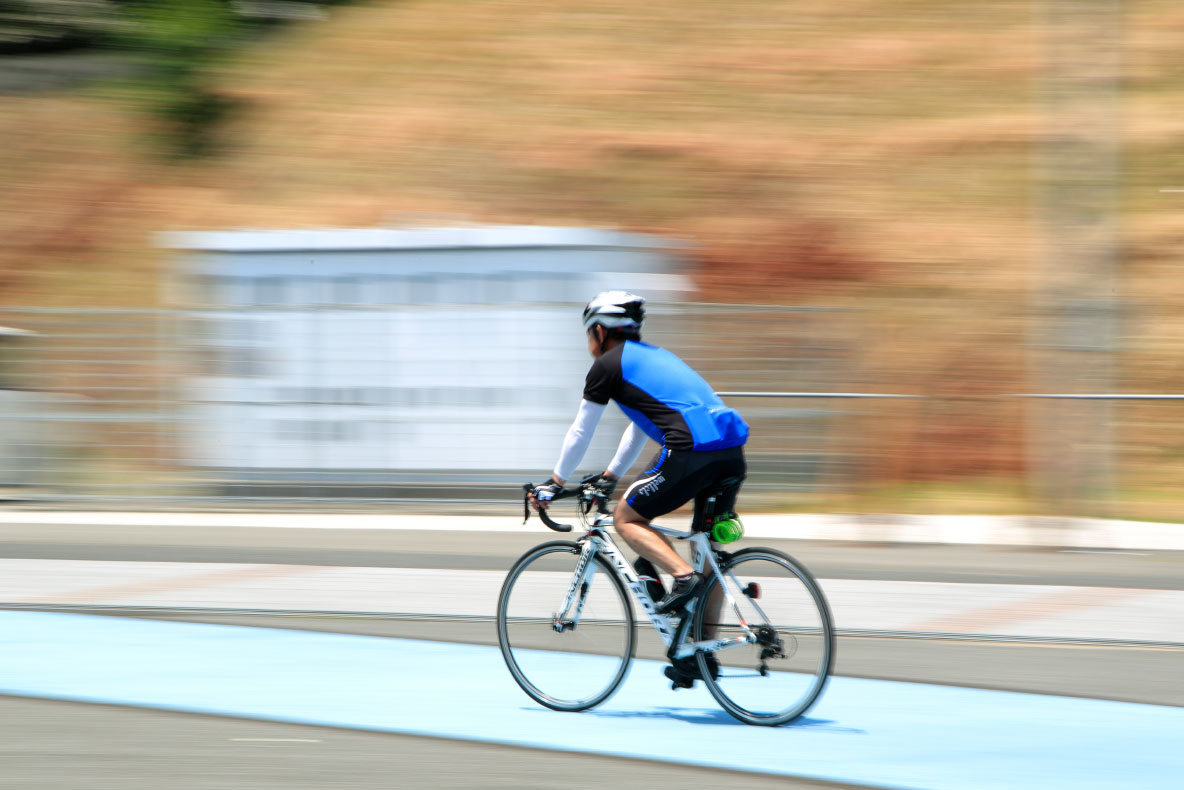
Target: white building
point(357, 353)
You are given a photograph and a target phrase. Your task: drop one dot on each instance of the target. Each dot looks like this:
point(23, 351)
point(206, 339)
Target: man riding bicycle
point(701, 439)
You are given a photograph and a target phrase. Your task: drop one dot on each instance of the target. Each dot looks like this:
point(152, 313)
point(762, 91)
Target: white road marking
point(280, 740)
point(1106, 551)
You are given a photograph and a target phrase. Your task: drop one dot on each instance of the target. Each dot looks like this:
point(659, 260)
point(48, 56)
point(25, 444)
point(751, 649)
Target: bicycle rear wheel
point(778, 678)
point(562, 660)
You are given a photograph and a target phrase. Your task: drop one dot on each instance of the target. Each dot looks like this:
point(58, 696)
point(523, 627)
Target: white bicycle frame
point(674, 637)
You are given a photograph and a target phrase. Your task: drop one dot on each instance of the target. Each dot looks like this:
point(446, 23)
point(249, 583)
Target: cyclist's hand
point(542, 495)
point(604, 482)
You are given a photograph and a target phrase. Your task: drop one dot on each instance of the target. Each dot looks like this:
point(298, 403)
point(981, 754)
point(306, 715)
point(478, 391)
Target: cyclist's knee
point(624, 514)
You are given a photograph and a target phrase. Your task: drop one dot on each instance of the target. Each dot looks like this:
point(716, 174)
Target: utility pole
point(1073, 335)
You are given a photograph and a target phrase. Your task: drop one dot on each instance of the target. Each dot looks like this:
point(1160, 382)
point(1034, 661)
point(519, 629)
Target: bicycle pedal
point(677, 679)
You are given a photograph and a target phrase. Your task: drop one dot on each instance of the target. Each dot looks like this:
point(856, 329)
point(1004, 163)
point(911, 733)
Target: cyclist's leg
point(674, 478)
point(634, 528)
point(656, 491)
point(730, 468)
point(715, 605)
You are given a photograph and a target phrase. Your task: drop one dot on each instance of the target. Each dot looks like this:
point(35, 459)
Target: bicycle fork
point(577, 592)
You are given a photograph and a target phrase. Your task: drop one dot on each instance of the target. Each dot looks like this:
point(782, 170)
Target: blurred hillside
point(873, 154)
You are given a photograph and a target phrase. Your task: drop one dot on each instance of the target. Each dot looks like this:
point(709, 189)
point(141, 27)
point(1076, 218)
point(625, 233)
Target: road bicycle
point(759, 631)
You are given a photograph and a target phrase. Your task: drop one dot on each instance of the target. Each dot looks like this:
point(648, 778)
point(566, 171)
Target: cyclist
point(701, 440)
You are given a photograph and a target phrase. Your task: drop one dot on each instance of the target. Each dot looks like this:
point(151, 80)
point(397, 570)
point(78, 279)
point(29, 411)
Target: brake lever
point(597, 495)
point(555, 525)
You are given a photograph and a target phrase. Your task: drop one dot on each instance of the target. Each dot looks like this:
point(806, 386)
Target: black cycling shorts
point(675, 477)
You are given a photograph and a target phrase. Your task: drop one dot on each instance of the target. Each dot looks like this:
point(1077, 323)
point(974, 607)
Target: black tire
point(801, 628)
point(596, 654)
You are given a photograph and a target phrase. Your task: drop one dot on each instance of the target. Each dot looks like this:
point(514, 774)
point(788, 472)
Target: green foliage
point(172, 45)
point(189, 32)
point(175, 42)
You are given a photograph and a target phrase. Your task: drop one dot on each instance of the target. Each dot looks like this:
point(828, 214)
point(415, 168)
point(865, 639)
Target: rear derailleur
point(771, 647)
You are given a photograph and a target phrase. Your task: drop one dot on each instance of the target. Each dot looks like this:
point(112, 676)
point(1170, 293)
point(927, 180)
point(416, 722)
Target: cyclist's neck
point(607, 345)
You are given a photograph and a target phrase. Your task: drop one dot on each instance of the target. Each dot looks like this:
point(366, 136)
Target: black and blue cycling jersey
point(665, 397)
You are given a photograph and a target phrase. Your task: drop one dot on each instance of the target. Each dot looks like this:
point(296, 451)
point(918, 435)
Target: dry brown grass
point(873, 153)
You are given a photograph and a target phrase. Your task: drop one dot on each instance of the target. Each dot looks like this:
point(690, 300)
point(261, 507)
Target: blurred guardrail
point(1075, 479)
point(349, 408)
point(366, 405)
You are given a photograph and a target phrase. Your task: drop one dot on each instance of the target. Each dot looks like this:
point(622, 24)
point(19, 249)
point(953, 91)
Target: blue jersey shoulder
point(667, 379)
point(664, 376)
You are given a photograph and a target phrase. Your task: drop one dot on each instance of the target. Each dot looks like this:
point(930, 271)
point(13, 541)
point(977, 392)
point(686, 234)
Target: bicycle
point(567, 630)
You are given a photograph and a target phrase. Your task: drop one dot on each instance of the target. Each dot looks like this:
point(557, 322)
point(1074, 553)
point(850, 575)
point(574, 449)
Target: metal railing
point(378, 406)
point(366, 405)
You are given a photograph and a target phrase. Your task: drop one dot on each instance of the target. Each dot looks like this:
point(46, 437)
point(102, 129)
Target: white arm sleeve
point(627, 451)
point(579, 435)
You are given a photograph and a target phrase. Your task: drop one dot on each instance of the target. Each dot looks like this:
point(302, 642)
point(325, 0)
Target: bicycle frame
point(596, 551)
point(598, 541)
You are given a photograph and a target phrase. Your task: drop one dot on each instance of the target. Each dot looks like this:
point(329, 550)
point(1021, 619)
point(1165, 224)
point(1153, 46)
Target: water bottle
point(727, 529)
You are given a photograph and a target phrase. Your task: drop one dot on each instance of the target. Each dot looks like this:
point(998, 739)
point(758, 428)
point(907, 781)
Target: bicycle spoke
point(778, 676)
point(739, 675)
point(574, 659)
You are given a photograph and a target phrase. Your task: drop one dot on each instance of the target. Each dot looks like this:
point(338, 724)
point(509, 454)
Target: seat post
point(716, 500)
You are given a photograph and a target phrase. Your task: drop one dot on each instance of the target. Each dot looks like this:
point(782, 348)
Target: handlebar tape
point(527, 488)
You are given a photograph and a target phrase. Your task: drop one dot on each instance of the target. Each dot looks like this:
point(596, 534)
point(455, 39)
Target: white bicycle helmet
point(615, 310)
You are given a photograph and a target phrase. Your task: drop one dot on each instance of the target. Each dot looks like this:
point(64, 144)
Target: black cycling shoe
point(683, 672)
point(677, 679)
point(684, 589)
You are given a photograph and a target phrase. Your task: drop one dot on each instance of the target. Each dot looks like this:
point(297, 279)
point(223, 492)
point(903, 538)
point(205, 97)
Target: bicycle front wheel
point(780, 676)
point(567, 651)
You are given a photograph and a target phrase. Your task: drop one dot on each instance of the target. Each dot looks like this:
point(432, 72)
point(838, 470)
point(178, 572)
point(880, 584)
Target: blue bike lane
point(880, 733)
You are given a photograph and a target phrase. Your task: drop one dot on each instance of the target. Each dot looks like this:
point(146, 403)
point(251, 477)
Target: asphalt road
point(57, 744)
point(103, 747)
point(496, 551)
